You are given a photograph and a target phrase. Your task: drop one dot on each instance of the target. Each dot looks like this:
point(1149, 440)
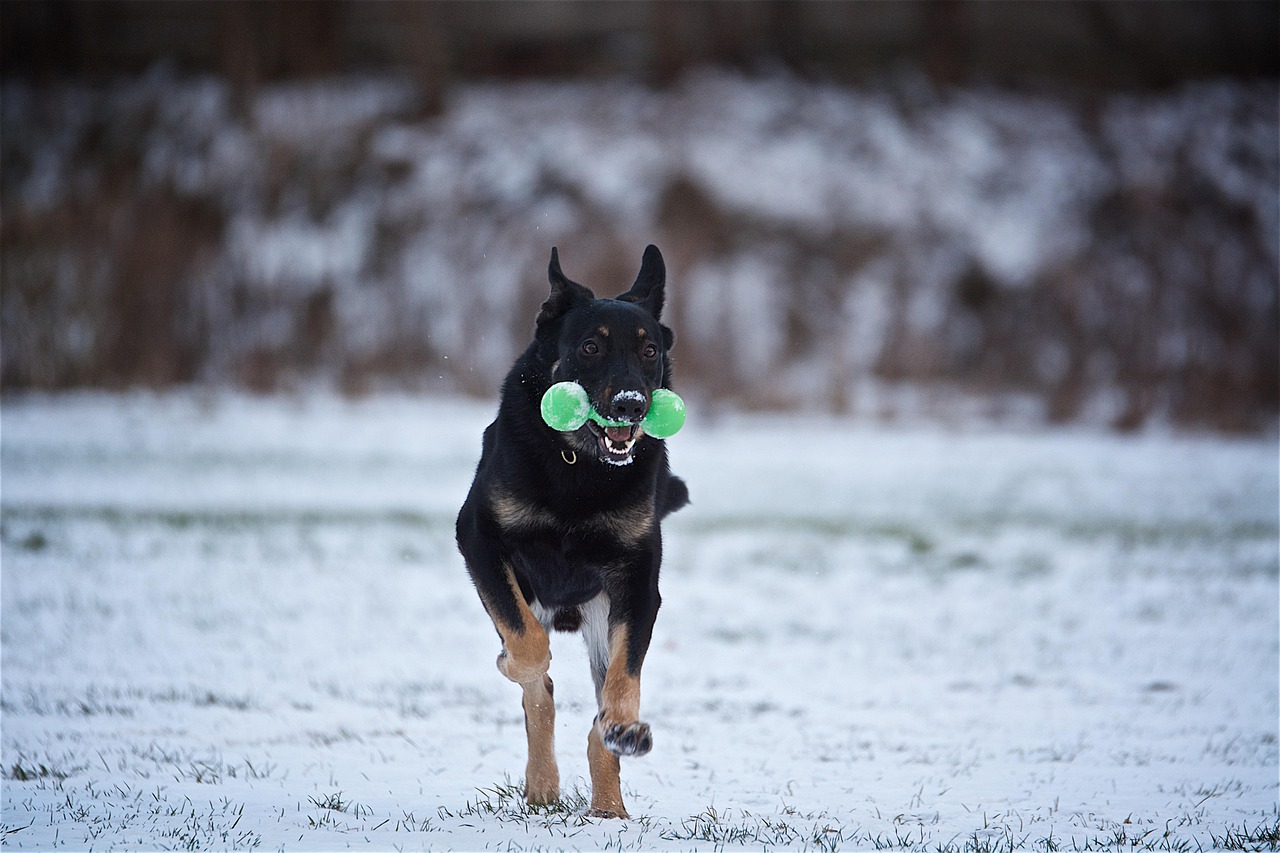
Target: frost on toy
point(565, 407)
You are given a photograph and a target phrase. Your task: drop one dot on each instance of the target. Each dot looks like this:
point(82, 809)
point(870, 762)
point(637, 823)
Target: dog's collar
point(569, 457)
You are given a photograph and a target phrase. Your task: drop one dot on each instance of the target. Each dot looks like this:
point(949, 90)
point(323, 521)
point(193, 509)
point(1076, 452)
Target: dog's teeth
point(626, 445)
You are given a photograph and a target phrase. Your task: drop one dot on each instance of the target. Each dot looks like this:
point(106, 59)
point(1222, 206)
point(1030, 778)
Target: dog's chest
point(624, 526)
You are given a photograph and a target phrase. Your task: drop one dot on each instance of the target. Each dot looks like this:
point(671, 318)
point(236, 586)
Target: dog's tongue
point(619, 435)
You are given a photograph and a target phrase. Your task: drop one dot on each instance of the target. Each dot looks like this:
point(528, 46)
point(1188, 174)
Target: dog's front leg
point(525, 659)
point(541, 775)
point(617, 722)
point(617, 729)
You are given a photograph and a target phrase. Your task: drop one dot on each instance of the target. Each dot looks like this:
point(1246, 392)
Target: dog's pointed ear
point(649, 290)
point(564, 293)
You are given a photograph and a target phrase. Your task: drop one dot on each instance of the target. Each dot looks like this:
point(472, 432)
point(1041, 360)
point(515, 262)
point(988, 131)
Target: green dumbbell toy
point(566, 407)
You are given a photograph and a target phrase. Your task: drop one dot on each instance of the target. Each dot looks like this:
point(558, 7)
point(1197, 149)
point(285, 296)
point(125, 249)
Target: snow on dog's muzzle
point(617, 437)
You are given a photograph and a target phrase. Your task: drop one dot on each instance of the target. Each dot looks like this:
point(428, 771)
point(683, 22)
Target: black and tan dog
point(562, 529)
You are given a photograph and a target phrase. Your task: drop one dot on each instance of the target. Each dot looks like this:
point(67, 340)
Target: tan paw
point(542, 792)
point(609, 813)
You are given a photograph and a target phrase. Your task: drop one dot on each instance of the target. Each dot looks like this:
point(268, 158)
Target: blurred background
point(1056, 212)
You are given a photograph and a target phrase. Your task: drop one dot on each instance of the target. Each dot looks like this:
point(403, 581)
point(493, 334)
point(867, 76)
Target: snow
point(234, 621)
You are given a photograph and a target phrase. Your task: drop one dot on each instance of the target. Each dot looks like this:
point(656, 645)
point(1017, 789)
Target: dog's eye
point(590, 348)
point(650, 351)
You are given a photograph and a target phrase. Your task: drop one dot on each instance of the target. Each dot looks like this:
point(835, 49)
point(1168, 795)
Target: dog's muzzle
point(617, 442)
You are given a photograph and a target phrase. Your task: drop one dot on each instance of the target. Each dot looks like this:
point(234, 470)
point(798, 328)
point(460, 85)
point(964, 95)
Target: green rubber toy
point(666, 414)
point(566, 407)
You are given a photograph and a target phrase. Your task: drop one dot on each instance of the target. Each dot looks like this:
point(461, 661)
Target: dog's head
point(616, 349)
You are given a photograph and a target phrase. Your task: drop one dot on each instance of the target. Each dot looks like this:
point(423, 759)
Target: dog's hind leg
point(606, 784)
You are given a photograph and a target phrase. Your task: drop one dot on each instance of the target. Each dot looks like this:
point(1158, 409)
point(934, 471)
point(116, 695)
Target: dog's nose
point(630, 406)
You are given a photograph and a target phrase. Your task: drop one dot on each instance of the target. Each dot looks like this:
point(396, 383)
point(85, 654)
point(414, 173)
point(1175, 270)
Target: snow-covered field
point(239, 622)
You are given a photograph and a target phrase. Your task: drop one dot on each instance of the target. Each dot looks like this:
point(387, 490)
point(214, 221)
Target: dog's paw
point(542, 792)
point(627, 739)
point(607, 814)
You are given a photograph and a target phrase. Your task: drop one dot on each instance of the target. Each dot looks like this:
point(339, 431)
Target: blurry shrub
point(1111, 260)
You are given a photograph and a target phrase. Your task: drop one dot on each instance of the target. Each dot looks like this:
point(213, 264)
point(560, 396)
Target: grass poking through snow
point(936, 642)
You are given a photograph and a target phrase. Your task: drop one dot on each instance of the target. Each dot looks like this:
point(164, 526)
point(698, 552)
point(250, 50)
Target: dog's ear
point(649, 291)
point(565, 294)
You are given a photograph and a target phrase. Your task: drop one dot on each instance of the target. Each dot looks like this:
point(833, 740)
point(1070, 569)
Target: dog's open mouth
point(616, 443)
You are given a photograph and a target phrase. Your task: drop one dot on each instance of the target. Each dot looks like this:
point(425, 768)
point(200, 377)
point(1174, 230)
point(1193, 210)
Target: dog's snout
point(630, 406)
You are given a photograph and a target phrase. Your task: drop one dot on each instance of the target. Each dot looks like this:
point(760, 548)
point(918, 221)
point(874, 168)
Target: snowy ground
point(235, 622)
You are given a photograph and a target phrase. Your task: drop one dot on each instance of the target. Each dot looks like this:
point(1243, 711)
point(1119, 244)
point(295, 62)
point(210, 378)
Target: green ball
point(565, 406)
point(666, 414)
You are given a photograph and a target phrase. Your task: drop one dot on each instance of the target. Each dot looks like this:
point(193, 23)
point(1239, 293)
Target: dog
point(562, 530)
